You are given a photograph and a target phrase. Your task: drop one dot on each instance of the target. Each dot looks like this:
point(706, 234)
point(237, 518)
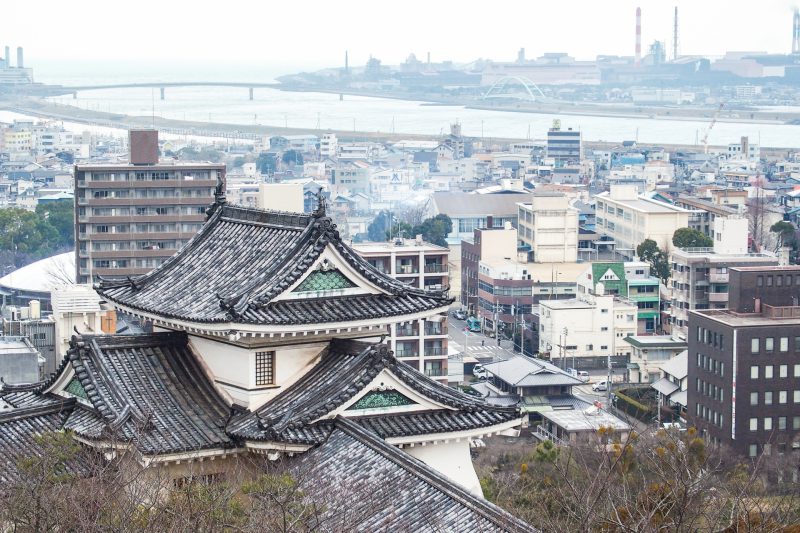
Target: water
point(325, 111)
point(355, 113)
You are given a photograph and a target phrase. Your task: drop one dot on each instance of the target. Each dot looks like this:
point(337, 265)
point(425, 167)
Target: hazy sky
point(316, 33)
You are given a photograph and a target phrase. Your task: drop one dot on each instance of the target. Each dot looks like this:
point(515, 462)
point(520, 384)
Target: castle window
point(265, 368)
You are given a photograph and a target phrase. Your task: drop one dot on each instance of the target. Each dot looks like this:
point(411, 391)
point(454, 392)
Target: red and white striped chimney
point(638, 36)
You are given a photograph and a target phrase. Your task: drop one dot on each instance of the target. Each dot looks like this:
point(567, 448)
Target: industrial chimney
point(20, 64)
point(144, 147)
point(638, 36)
point(8, 57)
point(796, 32)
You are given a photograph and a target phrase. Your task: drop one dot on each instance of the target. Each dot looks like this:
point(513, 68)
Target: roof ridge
point(431, 476)
point(57, 406)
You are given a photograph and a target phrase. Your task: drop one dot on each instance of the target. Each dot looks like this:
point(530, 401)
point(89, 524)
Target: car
point(583, 375)
point(600, 386)
point(459, 314)
point(479, 372)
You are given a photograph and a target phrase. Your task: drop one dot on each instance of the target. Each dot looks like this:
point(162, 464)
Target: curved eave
point(240, 330)
point(434, 438)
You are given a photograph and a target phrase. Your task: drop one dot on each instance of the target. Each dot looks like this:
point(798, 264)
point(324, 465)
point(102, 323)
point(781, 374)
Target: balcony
point(717, 297)
point(435, 351)
point(435, 372)
point(435, 268)
point(407, 331)
point(406, 353)
point(407, 269)
point(435, 329)
point(715, 277)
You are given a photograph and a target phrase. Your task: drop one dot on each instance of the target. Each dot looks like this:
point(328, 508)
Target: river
point(358, 113)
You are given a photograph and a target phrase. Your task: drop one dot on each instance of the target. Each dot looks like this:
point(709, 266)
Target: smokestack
point(638, 36)
point(346, 63)
point(8, 57)
point(796, 32)
point(20, 64)
point(429, 59)
point(675, 36)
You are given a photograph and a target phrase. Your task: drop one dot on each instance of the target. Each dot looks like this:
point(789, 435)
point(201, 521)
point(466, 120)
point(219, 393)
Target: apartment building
point(700, 275)
point(744, 375)
point(130, 218)
point(548, 228)
point(564, 146)
point(631, 280)
point(421, 343)
point(629, 218)
point(486, 244)
point(585, 332)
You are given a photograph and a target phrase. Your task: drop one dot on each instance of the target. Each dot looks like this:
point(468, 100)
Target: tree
point(378, 229)
point(786, 233)
point(292, 157)
point(60, 215)
point(691, 238)
point(435, 230)
point(649, 252)
point(25, 232)
point(266, 163)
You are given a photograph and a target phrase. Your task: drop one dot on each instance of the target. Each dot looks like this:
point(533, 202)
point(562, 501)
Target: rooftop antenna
point(675, 36)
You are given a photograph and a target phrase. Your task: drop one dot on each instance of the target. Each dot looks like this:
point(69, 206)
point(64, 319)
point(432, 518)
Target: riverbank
point(689, 113)
point(44, 109)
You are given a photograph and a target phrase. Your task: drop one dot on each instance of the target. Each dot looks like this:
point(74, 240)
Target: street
point(476, 344)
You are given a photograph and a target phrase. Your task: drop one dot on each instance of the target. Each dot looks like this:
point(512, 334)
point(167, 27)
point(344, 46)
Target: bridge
point(161, 86)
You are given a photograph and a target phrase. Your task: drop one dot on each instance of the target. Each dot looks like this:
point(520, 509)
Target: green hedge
point(634, 408)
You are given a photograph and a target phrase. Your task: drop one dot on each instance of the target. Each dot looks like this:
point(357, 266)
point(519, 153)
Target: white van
point(600, 386)
point(583, 375)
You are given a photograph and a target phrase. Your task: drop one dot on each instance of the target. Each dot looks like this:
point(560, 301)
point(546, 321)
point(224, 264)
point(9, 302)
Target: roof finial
point(320, 211)
point(219, 198)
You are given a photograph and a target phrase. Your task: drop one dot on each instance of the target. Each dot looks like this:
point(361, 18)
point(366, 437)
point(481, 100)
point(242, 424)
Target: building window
point(769, 344)
point(784, 346)
point(783, 396)
point(768, 398)
point(754, 424)
point(753, 398)
point(754, 372)
point(767, 423)
point(796, 422)
point(768, 372)
point(265, 368)
point(796, 396)
point(752, 450)
point(783, 371)
point(797, 371)
point(754, 345)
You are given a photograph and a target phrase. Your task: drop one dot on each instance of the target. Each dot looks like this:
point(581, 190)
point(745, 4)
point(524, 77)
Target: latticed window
point(265, 368)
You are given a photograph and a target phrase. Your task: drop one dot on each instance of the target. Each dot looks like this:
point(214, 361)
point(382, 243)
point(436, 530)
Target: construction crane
point(711, 125)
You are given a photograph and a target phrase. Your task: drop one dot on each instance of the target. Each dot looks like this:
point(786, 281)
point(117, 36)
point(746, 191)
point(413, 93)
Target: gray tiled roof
point(393, 491)
point(18, 431)
point(521, 371)
point(147, 389)
point(243, 258)
point(344, 371)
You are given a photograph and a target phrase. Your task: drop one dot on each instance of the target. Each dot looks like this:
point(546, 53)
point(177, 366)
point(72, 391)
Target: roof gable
point(234, 270)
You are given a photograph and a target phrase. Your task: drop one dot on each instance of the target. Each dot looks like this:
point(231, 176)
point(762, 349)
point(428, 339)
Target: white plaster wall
point(451, 459)
point(233, 367)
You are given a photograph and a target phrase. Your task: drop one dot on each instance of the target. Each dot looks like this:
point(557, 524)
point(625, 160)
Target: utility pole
point(496, 320)
point(608, 383)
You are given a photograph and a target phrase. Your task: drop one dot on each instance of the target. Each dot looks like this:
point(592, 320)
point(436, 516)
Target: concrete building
point(631, 280)
point(564, 146)
point(422, 343)
point(629, 218)
point(744, 370)
point(649, 354)
point(281, 197)
point(548, 227)
point(673, 387)
point(585, 332)
point(329, 146)
point(130, 218)
point(20, 362)
point(486, 244)
point(700, 275)
point(76, 309)
point(469, 212)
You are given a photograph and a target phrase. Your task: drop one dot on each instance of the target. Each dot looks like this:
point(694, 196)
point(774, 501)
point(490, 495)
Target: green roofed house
point(631, 280)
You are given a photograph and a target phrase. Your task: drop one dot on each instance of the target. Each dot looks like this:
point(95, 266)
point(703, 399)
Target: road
point(475, 344)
